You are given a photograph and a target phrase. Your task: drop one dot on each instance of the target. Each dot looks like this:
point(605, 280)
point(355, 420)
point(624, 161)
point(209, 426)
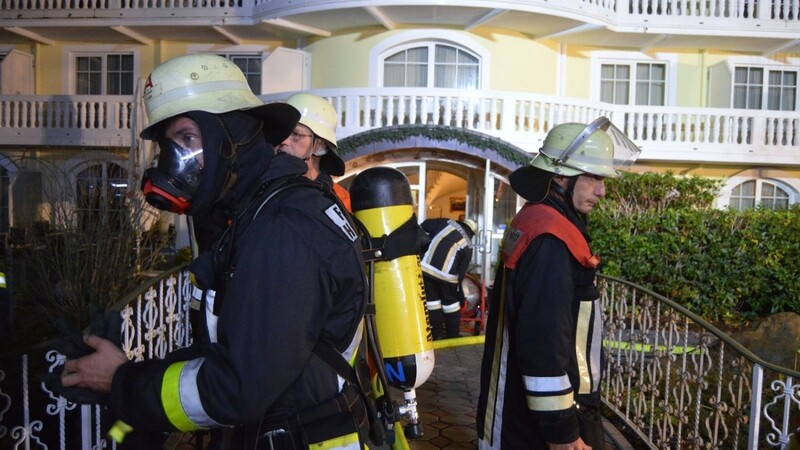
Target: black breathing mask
point(171, 185)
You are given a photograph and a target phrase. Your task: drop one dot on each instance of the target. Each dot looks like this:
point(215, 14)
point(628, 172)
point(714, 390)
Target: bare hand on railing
point(96, 370)
point(576, 445)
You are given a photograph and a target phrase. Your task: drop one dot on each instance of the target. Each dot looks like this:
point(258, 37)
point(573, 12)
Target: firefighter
point(287, 272)
point(444, 265)
point(314, 141)
point(541, 368)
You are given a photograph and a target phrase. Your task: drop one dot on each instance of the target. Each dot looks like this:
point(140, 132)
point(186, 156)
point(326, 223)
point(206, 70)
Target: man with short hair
point(542, 360)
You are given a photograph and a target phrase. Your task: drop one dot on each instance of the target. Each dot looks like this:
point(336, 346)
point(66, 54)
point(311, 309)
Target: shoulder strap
point(537, 219)
point(335, 361)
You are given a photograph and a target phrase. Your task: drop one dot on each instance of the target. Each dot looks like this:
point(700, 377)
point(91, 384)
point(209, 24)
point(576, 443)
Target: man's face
point(186, 133)
point(299, 144)
point(589, 189)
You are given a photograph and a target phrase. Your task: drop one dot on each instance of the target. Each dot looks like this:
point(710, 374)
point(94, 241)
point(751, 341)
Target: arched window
point(100, 198)
point(758, 192)
point(432, 65)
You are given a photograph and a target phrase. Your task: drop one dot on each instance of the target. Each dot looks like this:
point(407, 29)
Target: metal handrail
point(680, 382)
point(750, 356)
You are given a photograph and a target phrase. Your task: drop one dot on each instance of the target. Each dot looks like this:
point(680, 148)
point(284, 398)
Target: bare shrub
point(90, 241)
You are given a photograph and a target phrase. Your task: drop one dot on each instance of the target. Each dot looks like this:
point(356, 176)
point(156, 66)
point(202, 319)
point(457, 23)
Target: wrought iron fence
point(678, 381)
point(681, 383)
point(155, 321)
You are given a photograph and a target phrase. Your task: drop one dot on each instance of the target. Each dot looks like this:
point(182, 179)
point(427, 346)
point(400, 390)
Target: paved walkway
point(448, 399)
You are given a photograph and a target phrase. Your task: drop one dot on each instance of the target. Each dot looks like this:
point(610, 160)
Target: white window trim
point(71, 52)
point(780, 178)
point(789, 65)
point(405, 39)
point(248, 50)
point(615, 57)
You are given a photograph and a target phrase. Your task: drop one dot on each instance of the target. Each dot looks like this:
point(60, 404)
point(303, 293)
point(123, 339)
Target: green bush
point(660, 231)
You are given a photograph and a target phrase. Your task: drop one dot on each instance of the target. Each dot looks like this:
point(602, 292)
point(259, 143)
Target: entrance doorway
point(457, 186)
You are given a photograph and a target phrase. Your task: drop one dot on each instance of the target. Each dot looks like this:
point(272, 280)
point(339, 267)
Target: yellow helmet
point(572, 149)
point(211, 83)
point(471, 224)
point(319, 115)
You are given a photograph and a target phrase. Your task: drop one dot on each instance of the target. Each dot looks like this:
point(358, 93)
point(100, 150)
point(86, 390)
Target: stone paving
point(448, 399)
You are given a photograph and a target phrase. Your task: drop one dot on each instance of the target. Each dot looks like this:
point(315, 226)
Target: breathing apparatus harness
point(381, 413)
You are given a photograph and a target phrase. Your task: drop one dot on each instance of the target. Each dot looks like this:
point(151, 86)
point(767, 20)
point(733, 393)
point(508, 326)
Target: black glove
point(71, 345)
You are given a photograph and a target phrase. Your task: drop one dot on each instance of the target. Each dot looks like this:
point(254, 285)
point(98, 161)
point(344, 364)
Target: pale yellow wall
point(691, 83)
point(49, 70)
point(518, 63)
point(342, 61)
point(575, 72)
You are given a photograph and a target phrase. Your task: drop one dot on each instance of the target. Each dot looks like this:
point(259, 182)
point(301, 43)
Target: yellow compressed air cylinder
point(382, 202)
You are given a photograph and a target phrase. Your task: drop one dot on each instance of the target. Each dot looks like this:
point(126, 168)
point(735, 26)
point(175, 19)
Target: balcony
point(763, 27)
point(666, 134)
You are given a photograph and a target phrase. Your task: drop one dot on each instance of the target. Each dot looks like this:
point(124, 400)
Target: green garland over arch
point(437, 133)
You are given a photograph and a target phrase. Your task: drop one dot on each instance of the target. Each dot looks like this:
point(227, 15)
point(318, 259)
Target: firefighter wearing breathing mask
point(541, 369)
point(287, 272)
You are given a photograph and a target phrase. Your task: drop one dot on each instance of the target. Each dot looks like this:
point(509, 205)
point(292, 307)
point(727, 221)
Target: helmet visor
point(625, 151)
point(183, 166)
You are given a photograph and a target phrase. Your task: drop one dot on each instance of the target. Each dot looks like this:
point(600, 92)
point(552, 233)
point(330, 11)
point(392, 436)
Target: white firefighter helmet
point(319, 115)
point(211, 83)
point(471, 224)
point(571, 149)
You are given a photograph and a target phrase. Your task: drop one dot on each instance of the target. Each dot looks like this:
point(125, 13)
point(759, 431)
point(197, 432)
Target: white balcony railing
point(66, 120)
point(522, 119)
point(757, 16)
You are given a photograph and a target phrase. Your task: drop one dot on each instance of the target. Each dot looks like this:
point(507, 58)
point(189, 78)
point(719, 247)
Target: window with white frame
point(100, 198)
point(762, 193)
point(250, 64)
point(432, 65)
point(765, 88)
point(634, 83)
point(104, 74)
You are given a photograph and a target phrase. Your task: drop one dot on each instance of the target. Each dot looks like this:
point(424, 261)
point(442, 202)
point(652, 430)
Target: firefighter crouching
point(287, 271)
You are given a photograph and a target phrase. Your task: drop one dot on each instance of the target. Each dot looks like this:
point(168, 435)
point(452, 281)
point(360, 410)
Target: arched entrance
point(454, 173)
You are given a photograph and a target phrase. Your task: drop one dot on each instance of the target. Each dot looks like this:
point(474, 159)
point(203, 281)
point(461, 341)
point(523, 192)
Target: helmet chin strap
point(566, 194)
point(313, 151)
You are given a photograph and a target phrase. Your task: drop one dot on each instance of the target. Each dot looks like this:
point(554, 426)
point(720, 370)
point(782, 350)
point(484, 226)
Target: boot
point(437, 323)
point(452, 323)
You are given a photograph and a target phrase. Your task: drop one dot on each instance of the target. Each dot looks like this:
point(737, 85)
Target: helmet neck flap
point(234, 157)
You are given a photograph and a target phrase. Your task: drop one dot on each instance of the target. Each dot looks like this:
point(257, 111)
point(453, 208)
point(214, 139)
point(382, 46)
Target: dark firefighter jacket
point(542, 355)
point(298, 278)
point(449, 252)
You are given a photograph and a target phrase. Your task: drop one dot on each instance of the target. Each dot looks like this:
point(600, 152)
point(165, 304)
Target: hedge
point(661, 231)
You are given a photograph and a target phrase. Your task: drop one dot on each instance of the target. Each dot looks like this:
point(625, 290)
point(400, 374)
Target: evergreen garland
point(435, 133)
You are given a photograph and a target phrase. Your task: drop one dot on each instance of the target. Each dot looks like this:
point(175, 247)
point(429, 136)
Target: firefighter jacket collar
point(537, 219)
